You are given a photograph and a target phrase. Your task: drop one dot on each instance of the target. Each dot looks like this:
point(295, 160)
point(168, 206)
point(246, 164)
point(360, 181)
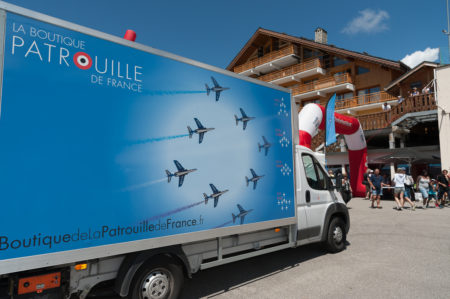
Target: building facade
point(314, 70)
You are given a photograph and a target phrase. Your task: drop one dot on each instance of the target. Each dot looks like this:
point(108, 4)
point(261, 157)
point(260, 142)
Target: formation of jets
point(265, 146)
point(255, 178)
point(201, 130)
point(245, 119)
point(216, 194)
point(181, 173)
point(216, 88)
point(241, 215)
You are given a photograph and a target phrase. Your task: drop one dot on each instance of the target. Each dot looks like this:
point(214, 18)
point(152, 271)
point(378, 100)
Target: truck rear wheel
point(158, 278)
point(336, 236)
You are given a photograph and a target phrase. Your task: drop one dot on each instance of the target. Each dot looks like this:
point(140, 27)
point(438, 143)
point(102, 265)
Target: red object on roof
point(130, 35)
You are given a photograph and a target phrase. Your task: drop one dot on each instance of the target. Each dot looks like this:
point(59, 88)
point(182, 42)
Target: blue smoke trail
point(224, 224)
point(173, 92)
point(175, 211)
point(157, 139)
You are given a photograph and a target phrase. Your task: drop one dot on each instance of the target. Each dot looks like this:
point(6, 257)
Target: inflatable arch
point(312, 118)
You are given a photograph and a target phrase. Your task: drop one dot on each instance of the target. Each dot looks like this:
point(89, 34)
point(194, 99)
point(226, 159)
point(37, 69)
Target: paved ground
point(390, 254)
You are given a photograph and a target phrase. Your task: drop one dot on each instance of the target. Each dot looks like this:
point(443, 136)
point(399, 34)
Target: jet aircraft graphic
point(200, 131)
point(244, 119)
point(180, 173)
point(266, 146)
point(241, 215)
point(216, 194)
point(255, 178)
point(217, 88)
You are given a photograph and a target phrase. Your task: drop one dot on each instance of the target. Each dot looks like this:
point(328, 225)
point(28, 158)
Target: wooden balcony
point(295, 72)
point(324, 86)
point(372, 98)
point(381, 120)
point(374, 121)
point(269, 57)
point(423, 102)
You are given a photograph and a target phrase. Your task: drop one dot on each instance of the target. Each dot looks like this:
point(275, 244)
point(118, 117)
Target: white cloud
point(429, 54)
point(368, 21)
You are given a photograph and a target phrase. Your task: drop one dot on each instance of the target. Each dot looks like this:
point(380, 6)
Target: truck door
point(302, 220)
point(315, 191)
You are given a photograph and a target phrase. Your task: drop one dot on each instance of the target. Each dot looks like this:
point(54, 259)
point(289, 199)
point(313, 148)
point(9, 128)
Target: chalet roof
point(312, 44)
point(410, 72)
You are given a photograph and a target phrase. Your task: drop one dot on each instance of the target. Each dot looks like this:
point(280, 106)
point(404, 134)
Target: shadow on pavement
point(212, 282)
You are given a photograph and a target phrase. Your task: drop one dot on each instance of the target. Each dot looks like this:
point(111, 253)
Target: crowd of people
point(404, 188)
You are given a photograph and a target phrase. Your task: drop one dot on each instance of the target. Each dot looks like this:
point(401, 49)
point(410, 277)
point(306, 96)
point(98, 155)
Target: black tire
point(167, 275)
point(336, 235)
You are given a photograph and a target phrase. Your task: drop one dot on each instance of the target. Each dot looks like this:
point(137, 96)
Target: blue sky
point(214, 31)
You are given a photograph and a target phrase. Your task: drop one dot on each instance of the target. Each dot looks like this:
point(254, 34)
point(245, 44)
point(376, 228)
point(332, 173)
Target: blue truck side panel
point(89, 127)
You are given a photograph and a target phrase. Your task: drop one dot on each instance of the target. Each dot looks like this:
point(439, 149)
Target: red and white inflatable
point(312, 118)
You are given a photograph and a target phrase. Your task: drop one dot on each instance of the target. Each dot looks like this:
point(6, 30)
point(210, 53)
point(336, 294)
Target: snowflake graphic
point(283, 108)
point(283, 202)
point(286, 170)
point(284, 141)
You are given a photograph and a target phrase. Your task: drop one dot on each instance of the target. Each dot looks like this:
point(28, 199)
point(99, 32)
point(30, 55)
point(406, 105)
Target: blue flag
point(330, 130)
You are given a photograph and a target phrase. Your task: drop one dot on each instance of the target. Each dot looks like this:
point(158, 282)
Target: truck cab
point(318, 202)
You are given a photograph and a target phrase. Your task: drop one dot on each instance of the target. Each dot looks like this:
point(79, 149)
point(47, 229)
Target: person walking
point(423, 184)
point(375, 181)
point(443, 182)
point(346, 189)
point(399, 190)
point(409, 184)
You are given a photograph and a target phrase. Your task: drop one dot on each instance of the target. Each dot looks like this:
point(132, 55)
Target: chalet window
point(369, 95)
point(260, 52)
point(326, 61)
point(308, 53)
point(283, 43)
point(361, 70)
point(341, 97)
point(417, 84)
point(344, 96)
point(276, 44)
point(339, 61)
point(267, 50)
point(315, 101)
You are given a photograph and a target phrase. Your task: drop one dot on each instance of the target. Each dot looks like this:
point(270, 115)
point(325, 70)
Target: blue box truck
point(126, 163)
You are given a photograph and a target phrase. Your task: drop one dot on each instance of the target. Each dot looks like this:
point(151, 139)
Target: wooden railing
point(374, 121)
point(322, 83)
point(423, 102)
point(265, 59)
point(381, 120)
point(376, 97)
point(291, 70)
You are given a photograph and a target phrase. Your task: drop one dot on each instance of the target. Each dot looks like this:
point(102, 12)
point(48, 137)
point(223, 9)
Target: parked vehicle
point(122, 162)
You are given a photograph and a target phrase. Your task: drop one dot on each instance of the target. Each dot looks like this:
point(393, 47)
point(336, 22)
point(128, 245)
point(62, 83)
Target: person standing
point(375, 181)
point(423, 184)
point(442, 181)
point(366, 182)
point(346, 189)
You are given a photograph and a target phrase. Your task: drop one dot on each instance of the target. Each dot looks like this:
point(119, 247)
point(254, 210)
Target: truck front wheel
point(336, 236)
point(158, 278)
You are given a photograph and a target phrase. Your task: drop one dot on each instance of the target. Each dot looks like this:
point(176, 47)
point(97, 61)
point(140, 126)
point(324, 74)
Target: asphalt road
point(391, 254)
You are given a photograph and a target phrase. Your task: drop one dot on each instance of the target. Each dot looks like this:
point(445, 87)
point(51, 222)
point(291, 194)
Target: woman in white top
point(399, 190)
